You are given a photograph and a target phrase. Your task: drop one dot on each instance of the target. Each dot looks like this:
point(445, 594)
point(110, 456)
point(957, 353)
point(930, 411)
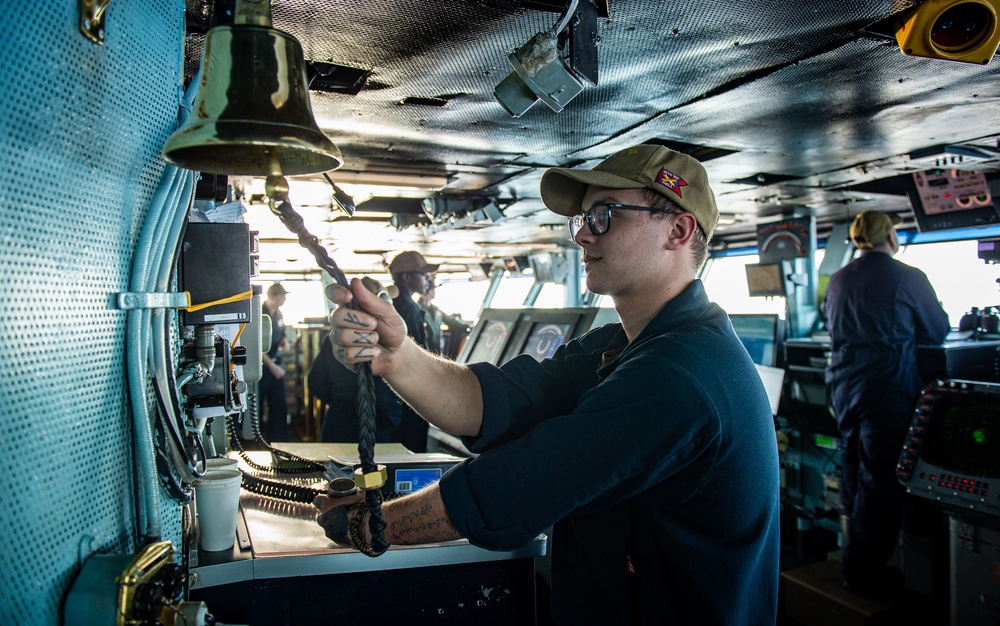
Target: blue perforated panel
point(81, 127)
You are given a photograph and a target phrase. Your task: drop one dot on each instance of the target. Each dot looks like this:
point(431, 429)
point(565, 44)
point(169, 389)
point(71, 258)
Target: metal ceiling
point(795, 107)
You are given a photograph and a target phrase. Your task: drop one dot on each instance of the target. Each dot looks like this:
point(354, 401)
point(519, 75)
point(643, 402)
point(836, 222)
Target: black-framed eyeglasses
point(598, 217)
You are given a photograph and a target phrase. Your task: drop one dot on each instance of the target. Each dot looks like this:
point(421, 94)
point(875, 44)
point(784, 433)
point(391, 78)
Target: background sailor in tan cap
point(648, 445)
point(411, 275)
point(877, 310)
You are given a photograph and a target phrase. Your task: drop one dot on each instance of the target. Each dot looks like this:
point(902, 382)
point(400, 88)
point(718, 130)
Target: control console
point(952, 451)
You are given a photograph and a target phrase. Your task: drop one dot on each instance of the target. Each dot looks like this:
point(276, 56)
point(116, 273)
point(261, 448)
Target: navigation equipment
point(490, 336)
point(946, 199)
point(762, 335)
point(766, 280)
point(540, 332)
point(952, 452)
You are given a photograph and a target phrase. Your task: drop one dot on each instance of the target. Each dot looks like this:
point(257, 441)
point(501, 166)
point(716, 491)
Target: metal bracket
point(92, 19)
point(583, 40)
point(133, 300)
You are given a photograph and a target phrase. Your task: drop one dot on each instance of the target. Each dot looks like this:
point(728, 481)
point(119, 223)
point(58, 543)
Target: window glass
point(726, 284)
point(304, 299)
point(960, 278)
point(461, 297)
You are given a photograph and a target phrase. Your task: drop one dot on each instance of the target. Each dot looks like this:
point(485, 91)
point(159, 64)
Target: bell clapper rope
point(369, 476)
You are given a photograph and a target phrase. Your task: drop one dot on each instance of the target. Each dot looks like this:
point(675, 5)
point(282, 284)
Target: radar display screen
point(963, 434)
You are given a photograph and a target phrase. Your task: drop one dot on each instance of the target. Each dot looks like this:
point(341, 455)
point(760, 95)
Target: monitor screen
point(945, 199)
point(963, 433)
point(761, 335)
point(774, 382)
point(540, 332)
point(765, 280)
point(490, 341)
point(545, 337)
point(989, 250)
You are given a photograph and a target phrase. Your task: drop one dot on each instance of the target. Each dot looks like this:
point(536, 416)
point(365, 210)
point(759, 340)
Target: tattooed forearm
point(420, 522)
point(423, 532)
point(412, 516)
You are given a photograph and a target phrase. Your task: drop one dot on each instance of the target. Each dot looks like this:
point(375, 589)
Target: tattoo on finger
point(367, 338)
point(352, 318)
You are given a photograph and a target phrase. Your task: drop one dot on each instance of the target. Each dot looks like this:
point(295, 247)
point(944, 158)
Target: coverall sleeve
point(931, 319)
point(626, 434)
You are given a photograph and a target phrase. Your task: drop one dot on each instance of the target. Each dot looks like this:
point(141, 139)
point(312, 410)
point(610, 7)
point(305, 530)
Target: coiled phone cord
point(270, 488)
point(280, 491)
point(305, 465)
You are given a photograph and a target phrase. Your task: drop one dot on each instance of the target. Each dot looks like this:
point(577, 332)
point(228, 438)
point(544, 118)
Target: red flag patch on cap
point(671, 181)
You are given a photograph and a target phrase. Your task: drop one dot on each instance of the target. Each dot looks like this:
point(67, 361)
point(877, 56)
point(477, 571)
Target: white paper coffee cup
point(217, 502)
point(220, 463)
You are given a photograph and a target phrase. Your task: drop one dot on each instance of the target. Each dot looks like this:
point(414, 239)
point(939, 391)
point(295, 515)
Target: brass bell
point(251, 114)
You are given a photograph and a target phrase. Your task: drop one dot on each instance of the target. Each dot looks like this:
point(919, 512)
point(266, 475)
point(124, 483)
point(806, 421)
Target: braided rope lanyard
point(369, 476)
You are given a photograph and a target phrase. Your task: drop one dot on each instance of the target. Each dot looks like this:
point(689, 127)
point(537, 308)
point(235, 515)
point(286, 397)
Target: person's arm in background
point(930, 317)
point(276, 370)
point(444, 393)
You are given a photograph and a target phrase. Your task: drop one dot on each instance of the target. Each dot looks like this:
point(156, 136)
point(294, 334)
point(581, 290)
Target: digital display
point(410, 480)
point(491, 341)
point(946, 191)
point(963, 434)
point(823, 441)
point(989, 250)
point(758, 333)
point(545, 338)
point(945, 199)
point(765, 280)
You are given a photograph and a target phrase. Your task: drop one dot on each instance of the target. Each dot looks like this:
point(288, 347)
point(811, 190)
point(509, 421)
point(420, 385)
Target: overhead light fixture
point(951, 30)
point(541, 72)
point(376, 215)
point(409, 180)
point(440, 208)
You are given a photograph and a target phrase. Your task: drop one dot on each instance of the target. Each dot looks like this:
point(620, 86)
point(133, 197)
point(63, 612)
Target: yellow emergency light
point(952, 30)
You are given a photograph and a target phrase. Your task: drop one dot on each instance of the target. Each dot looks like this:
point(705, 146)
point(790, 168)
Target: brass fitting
point(372, 480)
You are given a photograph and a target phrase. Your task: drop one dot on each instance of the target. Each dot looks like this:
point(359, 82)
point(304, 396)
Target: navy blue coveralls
point(337, 387)
point(877, 309)
point(271, 389)
point(655, 461)
point(410, 429)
